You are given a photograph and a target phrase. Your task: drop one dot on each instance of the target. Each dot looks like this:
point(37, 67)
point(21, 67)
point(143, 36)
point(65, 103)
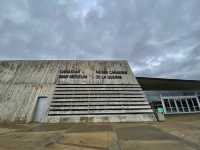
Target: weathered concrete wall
point(22, 82)
point(98, 91)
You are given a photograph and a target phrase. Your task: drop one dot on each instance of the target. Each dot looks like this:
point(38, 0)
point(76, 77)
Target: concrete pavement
point(176, 133)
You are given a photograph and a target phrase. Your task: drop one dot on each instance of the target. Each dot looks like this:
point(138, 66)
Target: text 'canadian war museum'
point(88, 91)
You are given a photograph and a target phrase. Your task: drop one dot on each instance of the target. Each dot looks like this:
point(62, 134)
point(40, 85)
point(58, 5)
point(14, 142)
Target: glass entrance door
point(180, 104)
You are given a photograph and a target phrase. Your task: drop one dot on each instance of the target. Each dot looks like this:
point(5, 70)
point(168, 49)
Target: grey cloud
point(158, 38)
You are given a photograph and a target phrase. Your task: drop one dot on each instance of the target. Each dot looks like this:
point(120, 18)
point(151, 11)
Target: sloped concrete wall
point(21, 82)
point(98, 91)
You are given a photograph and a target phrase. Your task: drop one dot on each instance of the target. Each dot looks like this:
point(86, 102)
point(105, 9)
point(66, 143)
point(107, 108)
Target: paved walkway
point(176, 133)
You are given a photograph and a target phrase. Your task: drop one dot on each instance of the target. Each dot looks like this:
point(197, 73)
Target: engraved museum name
point(100, 74)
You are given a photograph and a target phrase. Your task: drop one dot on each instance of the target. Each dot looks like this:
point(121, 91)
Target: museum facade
point(54, 91)
point(71, 91)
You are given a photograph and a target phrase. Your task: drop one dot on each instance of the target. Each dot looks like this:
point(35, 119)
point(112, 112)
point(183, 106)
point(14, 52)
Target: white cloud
point(156, 37)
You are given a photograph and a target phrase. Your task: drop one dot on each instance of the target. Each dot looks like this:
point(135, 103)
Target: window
point(173, 106)
point(167, 105)
point(185, 107)
point(190, 104)
point(196, 106)
point(178, 102)
point(181, 104)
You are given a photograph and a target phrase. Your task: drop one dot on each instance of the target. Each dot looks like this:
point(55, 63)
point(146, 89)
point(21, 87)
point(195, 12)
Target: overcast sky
point(159, 38)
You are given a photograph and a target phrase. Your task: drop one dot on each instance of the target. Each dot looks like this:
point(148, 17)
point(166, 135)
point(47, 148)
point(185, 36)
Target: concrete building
point(71, 91)
point(88, 91)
